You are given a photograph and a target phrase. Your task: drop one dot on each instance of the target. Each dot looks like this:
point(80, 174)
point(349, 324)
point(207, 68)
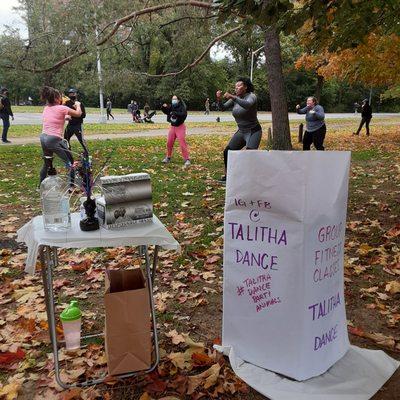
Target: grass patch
point(365, 155)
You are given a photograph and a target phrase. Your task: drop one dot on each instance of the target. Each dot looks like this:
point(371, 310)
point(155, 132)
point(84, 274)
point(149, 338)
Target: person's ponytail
point(50, 95)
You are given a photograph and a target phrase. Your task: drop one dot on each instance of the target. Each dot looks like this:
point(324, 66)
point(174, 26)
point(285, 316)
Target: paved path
point(220, 130)
point(36, 118)
point(107, 136)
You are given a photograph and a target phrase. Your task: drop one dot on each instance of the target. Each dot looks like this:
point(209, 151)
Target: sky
point(10, 17)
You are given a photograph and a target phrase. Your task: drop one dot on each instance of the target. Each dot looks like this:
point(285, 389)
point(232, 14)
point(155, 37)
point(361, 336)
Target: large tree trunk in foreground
point(280, 119)
point(320, 84)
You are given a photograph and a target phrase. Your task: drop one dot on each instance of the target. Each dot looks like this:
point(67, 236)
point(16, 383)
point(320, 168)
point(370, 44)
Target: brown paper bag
point(127, 325)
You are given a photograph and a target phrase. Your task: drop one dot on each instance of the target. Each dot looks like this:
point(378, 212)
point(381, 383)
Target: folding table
point(45, 244)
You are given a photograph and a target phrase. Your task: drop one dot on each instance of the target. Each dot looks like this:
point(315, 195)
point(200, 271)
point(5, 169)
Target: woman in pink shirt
point(51, 139)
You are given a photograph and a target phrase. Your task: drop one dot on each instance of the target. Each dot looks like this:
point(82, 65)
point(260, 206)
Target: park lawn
point(20, 131)
point(189, 285)
point(25, 131)
point(89, 110)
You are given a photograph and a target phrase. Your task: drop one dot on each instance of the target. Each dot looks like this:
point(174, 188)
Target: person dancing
point(51, 139)
point(244, 103)
point(315, 124)
point(176, 116)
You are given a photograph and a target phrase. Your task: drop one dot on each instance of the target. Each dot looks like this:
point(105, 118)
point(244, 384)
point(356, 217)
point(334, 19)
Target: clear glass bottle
point(55, 202)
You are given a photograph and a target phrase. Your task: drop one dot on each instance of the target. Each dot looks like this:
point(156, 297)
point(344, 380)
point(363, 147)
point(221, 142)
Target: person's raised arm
point(319, 112)
point(300, 110)
point(227, 104)
point(181, 112)
point(77, 112)
point(83, 111)
point(165, 108)
point(246, 103)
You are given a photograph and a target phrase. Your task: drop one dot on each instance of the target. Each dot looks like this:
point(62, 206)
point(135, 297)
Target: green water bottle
point(71, 319)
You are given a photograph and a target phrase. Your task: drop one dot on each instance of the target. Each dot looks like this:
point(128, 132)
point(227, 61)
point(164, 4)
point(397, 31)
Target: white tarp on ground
point(356, 376)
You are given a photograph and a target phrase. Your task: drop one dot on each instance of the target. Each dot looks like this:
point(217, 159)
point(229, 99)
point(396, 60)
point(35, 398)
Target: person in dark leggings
point(108, 109)
point(74, 126)
point(5, 114)
point(244, 103)
point(315, 124)
point(51, 139)
point(366, 116)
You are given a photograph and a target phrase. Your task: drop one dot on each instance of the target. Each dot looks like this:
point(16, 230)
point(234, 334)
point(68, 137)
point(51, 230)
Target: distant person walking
point(207, 106)
point(244, 103)
point(366, 116)
point(109, 109)
point(75, 124)
point(176, 116)
point(51, 139)
point(5, 113)
point(315, 124)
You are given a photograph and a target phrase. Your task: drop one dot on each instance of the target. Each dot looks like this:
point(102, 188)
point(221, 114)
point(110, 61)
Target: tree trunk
point(280, 119)
point(320, 84)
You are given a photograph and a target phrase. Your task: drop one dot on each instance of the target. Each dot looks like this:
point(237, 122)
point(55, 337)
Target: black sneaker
point(6, 141)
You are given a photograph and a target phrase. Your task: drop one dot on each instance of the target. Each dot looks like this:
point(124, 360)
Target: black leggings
point(239, 140)
point(317, 138)
point(109, 114)
point(365, 121)
point(76, 130)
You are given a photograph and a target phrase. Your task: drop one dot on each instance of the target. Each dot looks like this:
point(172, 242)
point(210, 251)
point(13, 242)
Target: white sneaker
point(187, 163)
point(166, 160)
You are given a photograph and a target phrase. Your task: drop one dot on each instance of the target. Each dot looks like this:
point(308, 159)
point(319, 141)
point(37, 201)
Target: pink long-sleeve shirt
point(54, 119)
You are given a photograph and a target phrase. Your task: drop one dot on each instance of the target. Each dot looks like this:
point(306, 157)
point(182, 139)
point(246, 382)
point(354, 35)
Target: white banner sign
point(285, 218)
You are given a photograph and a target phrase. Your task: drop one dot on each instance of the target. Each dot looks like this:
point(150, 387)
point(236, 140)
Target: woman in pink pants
point(176, 116)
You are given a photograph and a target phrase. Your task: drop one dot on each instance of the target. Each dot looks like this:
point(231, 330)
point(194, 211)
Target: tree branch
point(189, 18)
point(117, 24)
point(196, 61)
point(126, 18)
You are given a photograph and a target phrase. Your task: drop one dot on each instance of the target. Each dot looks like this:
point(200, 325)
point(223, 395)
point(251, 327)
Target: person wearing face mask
point(74, 126)
point(244, 103)
point(315, 124)
point(176, 116)
point(51, 139)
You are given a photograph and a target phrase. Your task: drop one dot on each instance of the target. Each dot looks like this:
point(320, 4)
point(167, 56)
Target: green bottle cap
point(71, 313)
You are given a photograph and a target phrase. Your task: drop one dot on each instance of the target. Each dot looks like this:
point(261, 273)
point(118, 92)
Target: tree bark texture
point(320, 84)
point(280, 119)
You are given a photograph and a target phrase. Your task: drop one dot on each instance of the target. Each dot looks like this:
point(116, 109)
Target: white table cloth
point(142, 234)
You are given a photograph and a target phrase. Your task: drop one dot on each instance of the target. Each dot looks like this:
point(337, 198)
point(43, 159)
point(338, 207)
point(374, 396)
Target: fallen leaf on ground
point(209, 377)
point(393, 287)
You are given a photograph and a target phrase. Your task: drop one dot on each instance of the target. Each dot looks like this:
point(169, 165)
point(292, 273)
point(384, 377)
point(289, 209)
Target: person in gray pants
point(55, 145)
point(51, 139)
point(244, 110)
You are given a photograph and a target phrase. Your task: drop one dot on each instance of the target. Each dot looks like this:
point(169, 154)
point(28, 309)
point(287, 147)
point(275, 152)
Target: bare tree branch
point(117, 24)
point(126, 18)
point(189, 18)
point(196, 61)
